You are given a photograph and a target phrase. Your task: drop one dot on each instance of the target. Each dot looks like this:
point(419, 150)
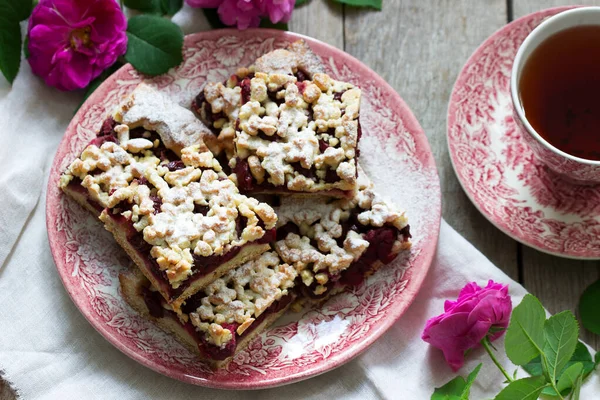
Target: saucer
point(496, 168)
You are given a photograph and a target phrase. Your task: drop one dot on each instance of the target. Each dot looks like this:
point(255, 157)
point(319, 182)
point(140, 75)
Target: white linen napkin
point(48, 350)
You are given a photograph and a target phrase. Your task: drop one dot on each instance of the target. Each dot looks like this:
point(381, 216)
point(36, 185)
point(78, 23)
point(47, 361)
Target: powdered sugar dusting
point(410, 186)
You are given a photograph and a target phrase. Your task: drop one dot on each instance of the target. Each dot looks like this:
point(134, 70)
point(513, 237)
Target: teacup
point(576, 169)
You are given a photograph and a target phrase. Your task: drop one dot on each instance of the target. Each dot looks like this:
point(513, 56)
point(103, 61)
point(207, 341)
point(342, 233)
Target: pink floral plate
point(395, 153)
point(497, 169)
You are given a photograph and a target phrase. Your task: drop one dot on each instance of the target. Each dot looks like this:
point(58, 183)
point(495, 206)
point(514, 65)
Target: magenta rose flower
point(204, 3)
point(277, 10)
point(477, 313)
point(241, 13)
point(247, 13)
point(71, 41)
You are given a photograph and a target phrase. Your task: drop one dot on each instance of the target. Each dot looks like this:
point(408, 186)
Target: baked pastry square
point(297, 137)
point(173, 210)
point(335, 243)
point(218, 103)
point(225, 316)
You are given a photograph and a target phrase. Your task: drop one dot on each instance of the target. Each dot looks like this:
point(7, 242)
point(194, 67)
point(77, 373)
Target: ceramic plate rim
point(417, 275)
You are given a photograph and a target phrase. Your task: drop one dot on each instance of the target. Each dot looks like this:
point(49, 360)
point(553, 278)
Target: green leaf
point(362, 3)
point(266, 23)
point(569, 377)
point(588, 308)
point(470, 379)
point(577, 388)
point(534, 367)
point(549, 391)
point(155, 44)
point(597, 359)
point(451, 390)
point(147, 6)
point(581, 355)
point(10, 47)
point(457, 388)
point(26, 47)
point(300, 2)
point(561, 339)
point(525, 334)
point(16, 10)
point(523, 389)
point(212, 16)
point(170, 7)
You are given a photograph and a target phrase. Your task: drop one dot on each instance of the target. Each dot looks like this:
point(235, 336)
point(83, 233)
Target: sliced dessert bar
point(171, 207)
point(218, 103)
point(337, 243)
point(297, 137)
point(226, 315)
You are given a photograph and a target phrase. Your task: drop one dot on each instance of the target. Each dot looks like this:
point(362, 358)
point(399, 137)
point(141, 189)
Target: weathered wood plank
point(321, 20)
point(524, 7)
point(6, 392)
point(557, 282)
point(419, 47)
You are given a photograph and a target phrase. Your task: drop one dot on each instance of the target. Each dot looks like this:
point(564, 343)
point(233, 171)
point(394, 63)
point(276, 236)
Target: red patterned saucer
point(396, 155)
point(496, 168)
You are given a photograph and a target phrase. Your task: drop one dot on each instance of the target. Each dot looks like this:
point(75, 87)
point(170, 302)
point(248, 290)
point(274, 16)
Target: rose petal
point(71, 42)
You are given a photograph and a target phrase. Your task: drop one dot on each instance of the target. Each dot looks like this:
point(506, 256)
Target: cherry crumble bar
point(298, 137)
point(180, 219)
point(222, 318)
point(334, 243)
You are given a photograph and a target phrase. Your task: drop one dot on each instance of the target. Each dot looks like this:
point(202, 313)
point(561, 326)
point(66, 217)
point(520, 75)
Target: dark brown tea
point(560, 91)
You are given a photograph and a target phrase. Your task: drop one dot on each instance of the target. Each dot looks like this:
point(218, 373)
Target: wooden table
point(419, 47)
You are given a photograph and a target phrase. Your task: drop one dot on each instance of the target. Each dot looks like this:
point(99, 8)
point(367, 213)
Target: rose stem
point(486, 344)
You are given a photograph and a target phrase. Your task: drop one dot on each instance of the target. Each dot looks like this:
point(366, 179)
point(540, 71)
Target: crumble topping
point(302, 135)
point(241, 296)
point(219, 103)
point(185, 209)
point(328, 236)
point(177, 127)
point(223, 101)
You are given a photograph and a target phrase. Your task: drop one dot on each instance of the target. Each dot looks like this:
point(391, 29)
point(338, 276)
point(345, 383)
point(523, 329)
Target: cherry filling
point(175, 165)
point(202, 265)
point(323, 145)
point(245, 85)
point(218, 353)
point(301, 76)
point(247, 183)
point(107, 134)
point(75, 186)
point(381, 241)
point(154, 301)
point(245, 179)
point(264, 136)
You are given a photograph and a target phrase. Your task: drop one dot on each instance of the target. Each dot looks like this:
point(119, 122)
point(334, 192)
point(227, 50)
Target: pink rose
point(476, 313)
point(204, 3)
point(247, 13)
point(241, 13)
point(71, 42)
point(277, 10)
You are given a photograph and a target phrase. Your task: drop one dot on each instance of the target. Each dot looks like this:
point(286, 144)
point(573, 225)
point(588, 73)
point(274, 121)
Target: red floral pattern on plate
point(88, 260)
point(497, 169)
